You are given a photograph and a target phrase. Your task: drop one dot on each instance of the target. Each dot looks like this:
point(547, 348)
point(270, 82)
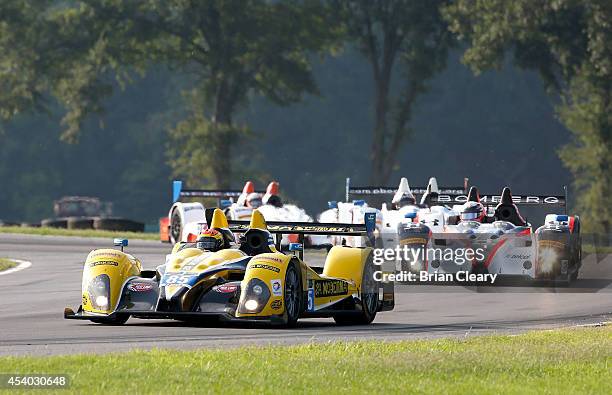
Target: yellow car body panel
point(117, 265)
point(346, 263)
point(269, 268)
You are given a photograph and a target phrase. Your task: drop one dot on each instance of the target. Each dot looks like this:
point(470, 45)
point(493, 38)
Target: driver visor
point(255, 203)
point(208, 243)
point(469, 216)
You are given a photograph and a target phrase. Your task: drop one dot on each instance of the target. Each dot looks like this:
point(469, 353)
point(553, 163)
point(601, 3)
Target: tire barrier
point(118, 224)
point(54, 223)
point(80, 223)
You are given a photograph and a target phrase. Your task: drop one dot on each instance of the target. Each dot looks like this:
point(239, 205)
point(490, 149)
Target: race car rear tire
point(117, 319)
point(292, 295)
point(176, 227)
point(369, 299)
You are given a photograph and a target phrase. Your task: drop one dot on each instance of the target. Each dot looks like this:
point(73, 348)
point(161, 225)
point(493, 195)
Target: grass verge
point(577, 360)
point(78, 232)
point(6, 264)
point(591, 249)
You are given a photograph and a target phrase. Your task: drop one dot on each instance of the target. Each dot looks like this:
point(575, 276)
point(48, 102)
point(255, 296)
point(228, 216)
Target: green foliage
point(66, 52)
point(589, 156)
point(411, 33)
point(232, 49)
point(567, 42)
point(194, 150)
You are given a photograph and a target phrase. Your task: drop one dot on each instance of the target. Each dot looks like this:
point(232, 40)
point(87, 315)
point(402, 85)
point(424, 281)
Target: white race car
point(404, 208)
point(500, 240)
point(186, 219)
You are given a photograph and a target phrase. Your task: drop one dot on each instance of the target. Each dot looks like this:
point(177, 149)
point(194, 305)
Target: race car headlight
point(254, 298)
point(251, 305)
point(102, 301)
point(99, 292)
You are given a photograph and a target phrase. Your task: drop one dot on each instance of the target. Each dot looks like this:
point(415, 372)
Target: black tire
point(80, 223)
point(369, 300)
point(176, 227)
point(118, 224)
point(117, 319)
point(292, 295)
point(54, 223)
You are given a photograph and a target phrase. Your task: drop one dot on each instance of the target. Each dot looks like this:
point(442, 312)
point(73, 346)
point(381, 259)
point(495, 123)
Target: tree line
point(74, 56)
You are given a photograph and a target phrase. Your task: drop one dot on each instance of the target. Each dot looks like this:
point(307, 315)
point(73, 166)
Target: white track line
point(22, 265)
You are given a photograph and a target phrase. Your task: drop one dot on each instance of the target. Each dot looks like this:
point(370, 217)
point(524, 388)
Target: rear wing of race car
point(519, 200)
point(178, 192)
point(313, 228)
point(351, 191)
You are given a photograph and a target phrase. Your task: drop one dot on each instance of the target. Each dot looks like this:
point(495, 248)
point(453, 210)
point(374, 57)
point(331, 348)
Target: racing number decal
point(311, 305)
point(176, 279)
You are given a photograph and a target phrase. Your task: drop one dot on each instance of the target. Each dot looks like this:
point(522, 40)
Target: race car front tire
point(292, 295)
point(369, 300)
point(176, 227)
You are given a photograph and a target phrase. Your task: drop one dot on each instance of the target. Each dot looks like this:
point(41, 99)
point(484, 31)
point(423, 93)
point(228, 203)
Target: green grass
point(591, 249)
point(577, 360)
point(78, 232)
point(6, 264)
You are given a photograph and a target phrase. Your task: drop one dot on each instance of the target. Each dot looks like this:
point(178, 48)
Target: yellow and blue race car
point(249, 279)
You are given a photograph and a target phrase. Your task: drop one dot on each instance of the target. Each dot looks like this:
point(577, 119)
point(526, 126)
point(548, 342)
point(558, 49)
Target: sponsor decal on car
point(277, 287)
point(267, 258)
point(225, 288)
point(106, 254)
point(267, 267)
point(276, 304)
point(413, 240)
point(140, 287)
point(323, 288)
point(100, 263)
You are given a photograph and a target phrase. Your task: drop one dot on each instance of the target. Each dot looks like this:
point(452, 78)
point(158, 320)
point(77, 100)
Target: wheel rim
point(369, 293)
point(291, 293)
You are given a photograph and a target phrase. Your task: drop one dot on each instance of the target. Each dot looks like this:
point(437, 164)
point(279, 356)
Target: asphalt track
point(32, 303)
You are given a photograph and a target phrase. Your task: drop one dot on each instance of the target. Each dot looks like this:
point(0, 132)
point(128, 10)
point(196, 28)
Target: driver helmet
point(210, 240)
point(472, 211)
point(254, 200)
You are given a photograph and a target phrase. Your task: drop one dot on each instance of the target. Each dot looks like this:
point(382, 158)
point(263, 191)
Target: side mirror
point(224, 203)
point(295, 247)
point(120, 243)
